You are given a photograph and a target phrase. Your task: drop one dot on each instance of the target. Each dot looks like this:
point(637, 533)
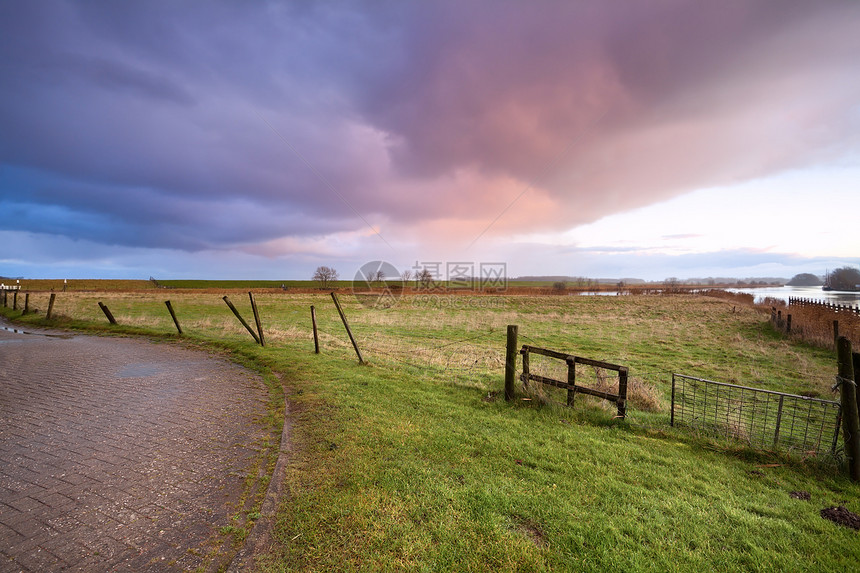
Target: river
point(783, 293)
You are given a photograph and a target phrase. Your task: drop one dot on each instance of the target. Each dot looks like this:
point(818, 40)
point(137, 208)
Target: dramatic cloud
point(284, 128)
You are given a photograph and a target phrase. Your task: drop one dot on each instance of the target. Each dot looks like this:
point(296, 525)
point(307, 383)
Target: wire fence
point(762, 418)
point(471, 359)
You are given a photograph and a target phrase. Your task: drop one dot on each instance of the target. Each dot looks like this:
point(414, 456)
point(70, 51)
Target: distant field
point(415, 462)
point(249, 284)
point(106, 285)
point(452, 287)
point(136, 285)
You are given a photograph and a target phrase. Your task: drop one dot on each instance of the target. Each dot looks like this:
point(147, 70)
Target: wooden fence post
point(571, 380)
point(242, 320)
point(14, 300)
point(788, 324)
point(672, 411)
point(622, 392)
point(316, 335)
point(26, 303)
point(511, 362)
point(107, 312)
point(173, 316)
point(257, 318)
point(51, 306)
point(856, 364)
point(835, 331)
point(850, 420)
point(346, 325)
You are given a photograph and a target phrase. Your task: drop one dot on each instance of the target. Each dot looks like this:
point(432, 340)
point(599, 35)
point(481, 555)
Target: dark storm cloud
point(663, 93)
point(146, 116)
point(149, 123)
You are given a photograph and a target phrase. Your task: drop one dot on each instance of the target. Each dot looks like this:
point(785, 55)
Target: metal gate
point(763, 418)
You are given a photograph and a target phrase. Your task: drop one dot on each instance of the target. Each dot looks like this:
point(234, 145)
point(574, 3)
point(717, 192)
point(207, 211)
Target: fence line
point(817, 321)
point(832, 307)
point(755, 415)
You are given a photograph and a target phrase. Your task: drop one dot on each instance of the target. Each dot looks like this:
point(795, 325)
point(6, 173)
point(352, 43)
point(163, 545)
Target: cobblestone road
point(119, 455)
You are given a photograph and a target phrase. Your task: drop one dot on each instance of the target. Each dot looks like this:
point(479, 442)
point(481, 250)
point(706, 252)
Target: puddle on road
point(140, 370)
point(46, 334)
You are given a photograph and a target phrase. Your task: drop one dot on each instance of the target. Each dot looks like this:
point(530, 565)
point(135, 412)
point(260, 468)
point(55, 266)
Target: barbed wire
point(474, 359)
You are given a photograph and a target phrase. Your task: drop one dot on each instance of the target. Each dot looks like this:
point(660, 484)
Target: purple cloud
point(148, 123)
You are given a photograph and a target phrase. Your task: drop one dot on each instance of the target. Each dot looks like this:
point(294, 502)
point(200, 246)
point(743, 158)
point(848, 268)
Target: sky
point(259, 140)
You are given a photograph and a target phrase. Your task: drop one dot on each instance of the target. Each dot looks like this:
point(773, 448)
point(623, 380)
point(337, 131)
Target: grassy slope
point(428, 480)
point(405, 463)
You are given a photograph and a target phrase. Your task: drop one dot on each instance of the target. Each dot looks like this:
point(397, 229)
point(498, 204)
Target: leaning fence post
point(316, 335)
point(850, 421)
point(173, 316)
point(257, 318)
point(107, 312)
point(346, 325)
point(50, 306)
point(511, 362)
point(242, 320)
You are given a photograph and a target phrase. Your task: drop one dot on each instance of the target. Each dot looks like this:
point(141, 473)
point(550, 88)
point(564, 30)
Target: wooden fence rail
point(570, 385)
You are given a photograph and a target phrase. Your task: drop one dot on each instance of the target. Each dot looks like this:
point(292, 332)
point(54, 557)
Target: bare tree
point(424, 278)
point(378, 276)
point(324, 275)
point(406, 275)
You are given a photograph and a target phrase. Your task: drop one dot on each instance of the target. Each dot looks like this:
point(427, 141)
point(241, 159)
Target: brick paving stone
point(119, 454)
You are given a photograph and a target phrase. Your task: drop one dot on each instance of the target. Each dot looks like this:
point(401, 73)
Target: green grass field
point(415, 462)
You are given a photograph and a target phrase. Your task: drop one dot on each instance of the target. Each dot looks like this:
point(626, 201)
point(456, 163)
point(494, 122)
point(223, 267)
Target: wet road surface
point(118, 454)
